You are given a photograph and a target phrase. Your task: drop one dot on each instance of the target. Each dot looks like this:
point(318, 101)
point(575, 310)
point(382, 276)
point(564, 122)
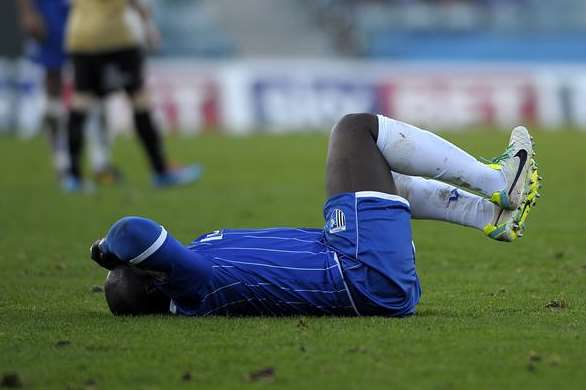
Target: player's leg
point(100, 147)
point(131, 63)
point(80, 106)
point(87, 81)
point(50, 54)
point(354, 162)
point(363, 146)
point(367, 223)
point(147, 131)
point(98, 140)
point(435, 200)
point(54, 119)
point(416, 152)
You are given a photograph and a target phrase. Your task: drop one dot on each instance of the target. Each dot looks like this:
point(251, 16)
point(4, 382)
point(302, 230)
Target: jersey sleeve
point(147, 245)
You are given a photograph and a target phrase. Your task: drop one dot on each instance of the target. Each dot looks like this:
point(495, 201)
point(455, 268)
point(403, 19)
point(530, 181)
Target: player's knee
point(141, 100)
point(356, 125)
point(82, 101)
point(54, 84)
point(54, 107)
point(131, 236)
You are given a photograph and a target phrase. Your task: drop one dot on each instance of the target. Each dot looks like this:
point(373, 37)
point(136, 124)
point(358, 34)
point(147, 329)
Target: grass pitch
point(492, 315)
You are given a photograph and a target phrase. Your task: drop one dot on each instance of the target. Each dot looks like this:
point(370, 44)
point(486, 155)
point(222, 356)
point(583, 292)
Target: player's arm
point(143, 244)
point(132, 241)
point(30, 19)
point(152, 34)
point(142, 8)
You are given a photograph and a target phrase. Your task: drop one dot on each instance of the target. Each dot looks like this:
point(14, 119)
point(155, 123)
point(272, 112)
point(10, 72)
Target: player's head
point(132, 292)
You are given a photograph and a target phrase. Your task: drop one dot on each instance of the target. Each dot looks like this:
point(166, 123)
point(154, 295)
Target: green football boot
point(510, 225)
point(514, 164)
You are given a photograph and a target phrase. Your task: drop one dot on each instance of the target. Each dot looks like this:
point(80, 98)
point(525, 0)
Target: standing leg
point(75, 126)
point(131, 63)
point(147, 132)
point(54, 120)
point(100, 147)
point(87, 81)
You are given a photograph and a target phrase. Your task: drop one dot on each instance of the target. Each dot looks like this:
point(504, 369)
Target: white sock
point(55, 112)
point(416, 152)
point(432, 199)
point(99, 143)
point(61, 156)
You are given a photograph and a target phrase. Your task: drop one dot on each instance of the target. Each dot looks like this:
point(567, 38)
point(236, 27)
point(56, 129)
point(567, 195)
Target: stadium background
point(492, 315)
point(448, 65)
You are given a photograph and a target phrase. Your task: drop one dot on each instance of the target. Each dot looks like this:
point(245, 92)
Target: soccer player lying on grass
point(362, 262)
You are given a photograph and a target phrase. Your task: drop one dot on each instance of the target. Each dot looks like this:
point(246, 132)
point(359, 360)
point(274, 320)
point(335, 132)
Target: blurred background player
point(10, 52)
point(107, 56)
point(44, 22)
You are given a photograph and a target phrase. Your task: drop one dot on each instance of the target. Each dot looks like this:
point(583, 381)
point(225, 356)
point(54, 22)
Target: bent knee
point(81, 101)
point(357, 124)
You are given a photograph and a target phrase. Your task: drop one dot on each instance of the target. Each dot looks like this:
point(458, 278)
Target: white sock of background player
point(415, 152)
point(99, 140)
point(54, 121)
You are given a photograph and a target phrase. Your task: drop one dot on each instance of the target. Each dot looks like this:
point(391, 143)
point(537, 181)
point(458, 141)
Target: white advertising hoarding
point(300, 95)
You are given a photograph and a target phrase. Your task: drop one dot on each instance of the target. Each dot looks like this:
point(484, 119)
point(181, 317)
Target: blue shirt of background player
point(50, 52)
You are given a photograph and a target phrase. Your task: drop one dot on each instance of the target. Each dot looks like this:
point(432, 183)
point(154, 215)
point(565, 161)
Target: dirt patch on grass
point(11, 380)
point(186, 377)
point(63, 343)
point(266, 374)
point(557, 304)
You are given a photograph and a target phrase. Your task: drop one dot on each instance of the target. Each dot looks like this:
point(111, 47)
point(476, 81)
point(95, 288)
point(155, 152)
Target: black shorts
point(103, 73)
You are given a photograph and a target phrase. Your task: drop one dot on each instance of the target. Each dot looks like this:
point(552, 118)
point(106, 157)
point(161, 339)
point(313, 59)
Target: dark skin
point(354, 164)
point(132, 291)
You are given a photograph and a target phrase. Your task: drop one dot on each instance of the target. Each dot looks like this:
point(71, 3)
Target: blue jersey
point(50, 53)
point(362, 262)
point(269, 271)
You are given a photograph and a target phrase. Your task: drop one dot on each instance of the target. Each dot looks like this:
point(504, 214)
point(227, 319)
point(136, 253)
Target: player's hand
point(33, 25)
point(105, 260)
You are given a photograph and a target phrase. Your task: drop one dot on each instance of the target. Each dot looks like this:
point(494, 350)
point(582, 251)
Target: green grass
point(483, 321)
